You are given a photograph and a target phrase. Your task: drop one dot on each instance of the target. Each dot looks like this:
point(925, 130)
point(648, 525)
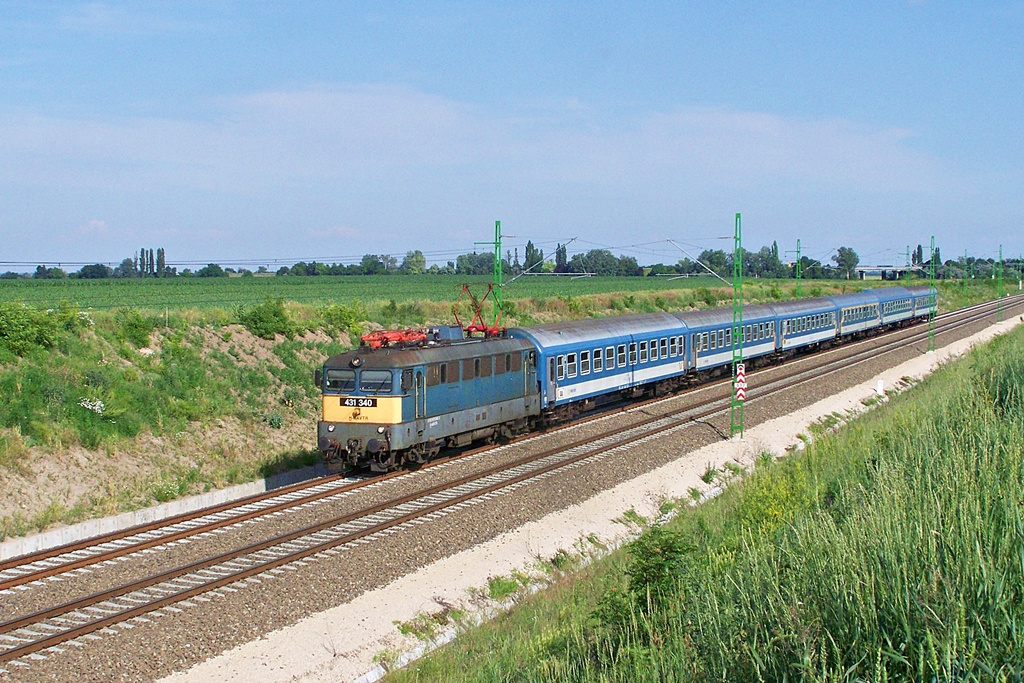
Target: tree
point(371, 265)
point(533, 258)
point(716, 260)
point(211, 270)
point(161, 263)
point(94, 272)
point(596, 261)
point(475, 264)
point(414, 263)
point(126, 269)
point(846, 259)
point(561, 262)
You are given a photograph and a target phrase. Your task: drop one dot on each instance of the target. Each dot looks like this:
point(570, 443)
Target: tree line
point(763, 263)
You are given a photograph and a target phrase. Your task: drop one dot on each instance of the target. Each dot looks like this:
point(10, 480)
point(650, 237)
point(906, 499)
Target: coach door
point(552, 386)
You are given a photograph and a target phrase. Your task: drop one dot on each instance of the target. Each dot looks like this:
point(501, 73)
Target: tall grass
point(893, 550)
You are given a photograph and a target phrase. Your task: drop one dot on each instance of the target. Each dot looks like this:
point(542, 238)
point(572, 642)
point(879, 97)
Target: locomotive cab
point(359, 407)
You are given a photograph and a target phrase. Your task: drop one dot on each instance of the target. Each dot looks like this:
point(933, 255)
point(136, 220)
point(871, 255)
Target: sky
point(272, 132)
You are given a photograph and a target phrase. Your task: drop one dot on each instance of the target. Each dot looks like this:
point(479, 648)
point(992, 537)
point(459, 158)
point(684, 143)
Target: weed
point(500, 587)
point(632, 518)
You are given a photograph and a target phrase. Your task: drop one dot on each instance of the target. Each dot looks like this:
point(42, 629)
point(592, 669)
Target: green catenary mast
point(497, 269)
point(1000, 292)
point(798, 269)
point(736, 407)
point(931, 310)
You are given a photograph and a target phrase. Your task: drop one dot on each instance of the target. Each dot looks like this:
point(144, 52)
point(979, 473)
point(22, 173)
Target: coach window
point(664, 348)
point(598, 360)
point(654, 349)
point(721, 338)
point(571, 361)
point(485, 366)
point(643, 352)
point(621, 355)
point(470, 369)
point(728, 337)
point(632, 353)
point(609, 358)
point(672, 351)
point(500, 363)
point(561, 367)
point(434, 374)
point(517, 362)
point(584, 362)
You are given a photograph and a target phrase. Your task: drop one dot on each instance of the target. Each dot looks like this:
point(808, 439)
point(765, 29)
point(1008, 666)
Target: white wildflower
point(95, 406)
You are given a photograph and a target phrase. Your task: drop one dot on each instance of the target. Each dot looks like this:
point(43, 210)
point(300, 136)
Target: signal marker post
point(738, 395)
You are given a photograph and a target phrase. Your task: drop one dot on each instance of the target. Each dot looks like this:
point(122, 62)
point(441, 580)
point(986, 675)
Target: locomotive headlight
point(380, 430)
point(330, 428)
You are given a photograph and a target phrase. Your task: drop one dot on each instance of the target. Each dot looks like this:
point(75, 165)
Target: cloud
point(94, 228)
point(368, 134)
point(100, 17)
point(336, 231)
point(391, 164)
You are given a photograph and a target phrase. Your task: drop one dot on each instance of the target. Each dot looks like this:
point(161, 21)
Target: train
point(400, 400)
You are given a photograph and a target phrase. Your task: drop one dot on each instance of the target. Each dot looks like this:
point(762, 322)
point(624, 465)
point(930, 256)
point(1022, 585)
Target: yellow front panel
point(356, 409)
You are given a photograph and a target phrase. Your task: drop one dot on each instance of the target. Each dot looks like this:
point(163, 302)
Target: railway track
point(50, 627)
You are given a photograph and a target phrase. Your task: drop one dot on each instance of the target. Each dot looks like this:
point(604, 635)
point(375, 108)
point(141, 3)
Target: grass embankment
point(891, 550)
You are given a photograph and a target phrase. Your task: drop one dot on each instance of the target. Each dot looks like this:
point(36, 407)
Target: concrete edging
point(45, 540)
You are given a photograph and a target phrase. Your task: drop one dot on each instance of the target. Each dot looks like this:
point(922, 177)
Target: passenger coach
point(584, 361)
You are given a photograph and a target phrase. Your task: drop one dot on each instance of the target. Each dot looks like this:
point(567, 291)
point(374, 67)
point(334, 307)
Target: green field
point(227, 293)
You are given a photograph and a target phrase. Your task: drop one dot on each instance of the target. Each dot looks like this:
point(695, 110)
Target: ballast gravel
point(176, 638)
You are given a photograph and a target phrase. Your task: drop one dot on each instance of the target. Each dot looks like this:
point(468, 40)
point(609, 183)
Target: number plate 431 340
point(359, 402)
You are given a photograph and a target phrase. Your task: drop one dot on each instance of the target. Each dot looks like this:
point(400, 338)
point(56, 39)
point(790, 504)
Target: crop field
point(228, 293)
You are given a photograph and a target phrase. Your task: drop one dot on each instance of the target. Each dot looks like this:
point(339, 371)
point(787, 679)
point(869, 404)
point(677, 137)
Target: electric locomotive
point(400, 403)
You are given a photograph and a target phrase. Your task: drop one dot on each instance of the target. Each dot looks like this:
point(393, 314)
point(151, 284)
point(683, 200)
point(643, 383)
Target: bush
point(23, 329)
point(341, 318)
point(132, 327)
point(267, 319)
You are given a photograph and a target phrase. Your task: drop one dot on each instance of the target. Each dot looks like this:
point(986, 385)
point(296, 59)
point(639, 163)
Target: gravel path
point(177, 638)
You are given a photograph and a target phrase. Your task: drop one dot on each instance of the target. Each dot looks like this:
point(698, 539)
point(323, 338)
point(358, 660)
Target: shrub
point(267, 319)
point(132, 327)
point(341, 318)
point(23, 328)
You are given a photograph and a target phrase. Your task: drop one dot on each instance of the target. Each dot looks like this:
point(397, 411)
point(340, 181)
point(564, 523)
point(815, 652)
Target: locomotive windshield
point(375, 381)
point(340, 380)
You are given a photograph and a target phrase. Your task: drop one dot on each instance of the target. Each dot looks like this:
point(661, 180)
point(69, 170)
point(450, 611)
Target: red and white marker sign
point(741, 382)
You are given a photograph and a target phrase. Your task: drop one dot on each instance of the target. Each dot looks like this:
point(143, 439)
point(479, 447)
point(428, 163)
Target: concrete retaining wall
point(96, 527)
